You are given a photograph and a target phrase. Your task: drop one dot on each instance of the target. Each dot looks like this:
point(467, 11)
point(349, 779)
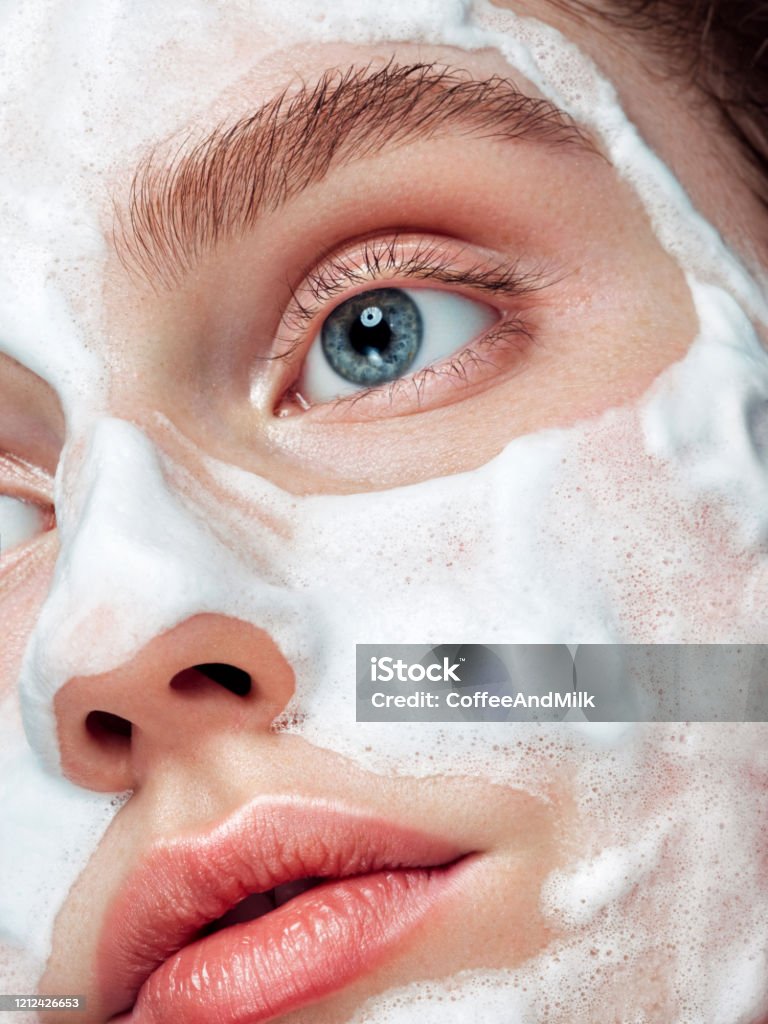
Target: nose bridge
point(135, 561)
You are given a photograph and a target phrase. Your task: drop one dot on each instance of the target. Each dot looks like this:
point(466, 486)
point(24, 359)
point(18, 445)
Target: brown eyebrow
point(217, 188)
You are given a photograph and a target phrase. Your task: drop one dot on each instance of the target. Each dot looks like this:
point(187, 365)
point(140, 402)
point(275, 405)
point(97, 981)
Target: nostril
point(109, 730)
point(229, 676)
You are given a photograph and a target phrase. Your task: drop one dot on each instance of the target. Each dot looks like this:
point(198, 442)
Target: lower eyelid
point(509, 340)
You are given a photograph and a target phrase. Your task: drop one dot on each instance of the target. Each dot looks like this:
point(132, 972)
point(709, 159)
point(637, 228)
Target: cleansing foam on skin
point(474, 543)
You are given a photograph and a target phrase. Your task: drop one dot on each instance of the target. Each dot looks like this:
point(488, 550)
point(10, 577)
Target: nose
point(209, 675)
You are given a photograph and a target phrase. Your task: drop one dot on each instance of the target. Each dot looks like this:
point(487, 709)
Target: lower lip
point(315, 944)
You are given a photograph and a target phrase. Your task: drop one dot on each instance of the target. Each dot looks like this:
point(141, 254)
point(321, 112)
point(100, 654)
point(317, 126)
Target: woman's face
point(275, 368)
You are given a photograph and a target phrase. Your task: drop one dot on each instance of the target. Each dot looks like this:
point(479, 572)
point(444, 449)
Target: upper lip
point(189, 882)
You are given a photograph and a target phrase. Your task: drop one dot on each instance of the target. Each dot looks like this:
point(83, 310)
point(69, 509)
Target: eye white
point(450, 322)
point(19, 521)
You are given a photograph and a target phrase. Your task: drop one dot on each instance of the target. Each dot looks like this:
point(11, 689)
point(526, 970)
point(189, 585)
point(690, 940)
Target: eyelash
point(379, 260)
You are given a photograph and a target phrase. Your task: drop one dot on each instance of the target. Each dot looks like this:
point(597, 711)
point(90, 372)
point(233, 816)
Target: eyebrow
point(181, 208)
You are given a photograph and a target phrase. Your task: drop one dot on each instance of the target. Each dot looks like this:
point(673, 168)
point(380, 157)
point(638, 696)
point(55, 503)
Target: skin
point(614, 313)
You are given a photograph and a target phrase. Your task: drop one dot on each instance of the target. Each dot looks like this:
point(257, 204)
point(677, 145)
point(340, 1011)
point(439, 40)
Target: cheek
point(24, 585)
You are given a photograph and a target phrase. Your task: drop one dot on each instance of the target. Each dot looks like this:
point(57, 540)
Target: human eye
point(398, 324)
point(25, 509)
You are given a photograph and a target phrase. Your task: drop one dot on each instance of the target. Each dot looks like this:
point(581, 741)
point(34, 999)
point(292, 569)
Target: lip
point(376, 883)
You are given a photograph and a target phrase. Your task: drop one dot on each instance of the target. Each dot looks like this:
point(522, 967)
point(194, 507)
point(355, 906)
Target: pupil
point(370, 331)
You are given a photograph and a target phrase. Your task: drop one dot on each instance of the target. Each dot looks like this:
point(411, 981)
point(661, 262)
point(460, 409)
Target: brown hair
point(721, 46)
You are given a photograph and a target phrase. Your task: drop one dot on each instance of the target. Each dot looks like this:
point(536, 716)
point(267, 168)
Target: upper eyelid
point(24, 480)
point(428, 259)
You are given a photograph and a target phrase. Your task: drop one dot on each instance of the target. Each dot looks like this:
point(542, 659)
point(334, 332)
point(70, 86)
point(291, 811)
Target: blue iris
point(373, 337)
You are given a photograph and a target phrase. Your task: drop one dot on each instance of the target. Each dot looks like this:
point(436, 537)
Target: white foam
point(49, 826)
point(668, 926)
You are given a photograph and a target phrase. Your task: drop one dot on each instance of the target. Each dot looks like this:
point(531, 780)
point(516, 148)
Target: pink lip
point(377, 883)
